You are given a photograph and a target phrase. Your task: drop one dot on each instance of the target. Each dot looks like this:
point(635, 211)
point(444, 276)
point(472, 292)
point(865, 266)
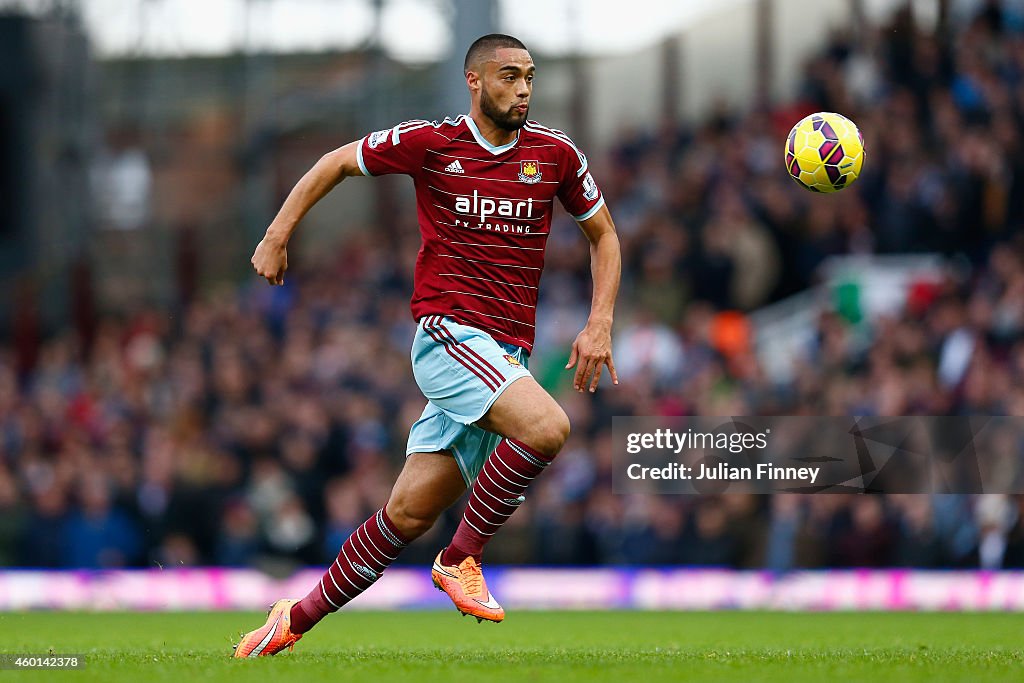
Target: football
point(824, 152)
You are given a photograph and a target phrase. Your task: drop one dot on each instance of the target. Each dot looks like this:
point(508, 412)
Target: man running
point(485, 189)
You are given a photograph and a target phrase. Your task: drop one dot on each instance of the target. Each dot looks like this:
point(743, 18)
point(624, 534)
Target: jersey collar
point(482, 141)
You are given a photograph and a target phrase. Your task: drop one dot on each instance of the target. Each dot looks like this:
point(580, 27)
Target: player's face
point(505, 88)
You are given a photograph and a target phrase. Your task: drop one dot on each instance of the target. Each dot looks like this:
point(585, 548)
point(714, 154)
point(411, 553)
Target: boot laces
point(472, 577)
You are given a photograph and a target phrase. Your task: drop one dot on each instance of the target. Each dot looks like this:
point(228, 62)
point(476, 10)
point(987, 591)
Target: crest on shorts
point(512, 361)
point(529, 172)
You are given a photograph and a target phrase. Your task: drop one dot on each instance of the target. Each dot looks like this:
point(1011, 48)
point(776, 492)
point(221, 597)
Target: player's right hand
point(270, 260)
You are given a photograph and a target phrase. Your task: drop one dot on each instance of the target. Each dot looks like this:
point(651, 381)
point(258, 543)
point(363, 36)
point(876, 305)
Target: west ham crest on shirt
point(529, 172)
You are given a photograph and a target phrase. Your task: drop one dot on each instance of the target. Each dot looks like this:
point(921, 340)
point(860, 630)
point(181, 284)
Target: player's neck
point(491, 132)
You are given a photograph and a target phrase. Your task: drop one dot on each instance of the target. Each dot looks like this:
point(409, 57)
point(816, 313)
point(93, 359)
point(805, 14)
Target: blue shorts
point(462, 371)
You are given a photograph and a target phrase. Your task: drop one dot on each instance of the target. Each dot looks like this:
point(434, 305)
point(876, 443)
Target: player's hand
point(592, 350)
point(271, 260)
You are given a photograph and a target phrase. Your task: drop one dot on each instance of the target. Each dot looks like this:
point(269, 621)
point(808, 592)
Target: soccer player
point(485, 187)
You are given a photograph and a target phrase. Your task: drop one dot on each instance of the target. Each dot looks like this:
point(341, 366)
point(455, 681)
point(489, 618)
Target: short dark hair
point(486, 45)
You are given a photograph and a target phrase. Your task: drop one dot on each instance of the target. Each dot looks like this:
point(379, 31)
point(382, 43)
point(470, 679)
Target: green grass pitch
point(533, 646)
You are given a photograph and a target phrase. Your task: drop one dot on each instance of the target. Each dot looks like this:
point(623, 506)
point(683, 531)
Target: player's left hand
point(591, 350)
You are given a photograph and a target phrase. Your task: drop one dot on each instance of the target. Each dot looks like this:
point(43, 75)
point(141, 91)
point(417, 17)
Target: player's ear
point(473, 81)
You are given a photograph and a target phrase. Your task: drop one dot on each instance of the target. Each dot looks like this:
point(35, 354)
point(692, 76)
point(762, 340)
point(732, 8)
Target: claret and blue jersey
point(485, 214)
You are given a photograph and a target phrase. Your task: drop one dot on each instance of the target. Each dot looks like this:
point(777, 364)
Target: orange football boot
point(273, 636)
point(466, 587)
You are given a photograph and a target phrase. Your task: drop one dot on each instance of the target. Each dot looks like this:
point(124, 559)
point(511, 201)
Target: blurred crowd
point(260, 426)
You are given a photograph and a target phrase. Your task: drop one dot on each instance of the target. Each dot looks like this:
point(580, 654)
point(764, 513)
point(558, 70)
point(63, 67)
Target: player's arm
point(592, 348)
point(271, 256)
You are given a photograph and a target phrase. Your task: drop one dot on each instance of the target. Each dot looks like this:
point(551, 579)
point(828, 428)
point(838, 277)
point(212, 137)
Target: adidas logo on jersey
point(454, 167)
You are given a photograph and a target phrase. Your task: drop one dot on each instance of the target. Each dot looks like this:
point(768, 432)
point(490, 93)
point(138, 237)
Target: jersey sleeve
point(394, 150)
point(578, 191)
